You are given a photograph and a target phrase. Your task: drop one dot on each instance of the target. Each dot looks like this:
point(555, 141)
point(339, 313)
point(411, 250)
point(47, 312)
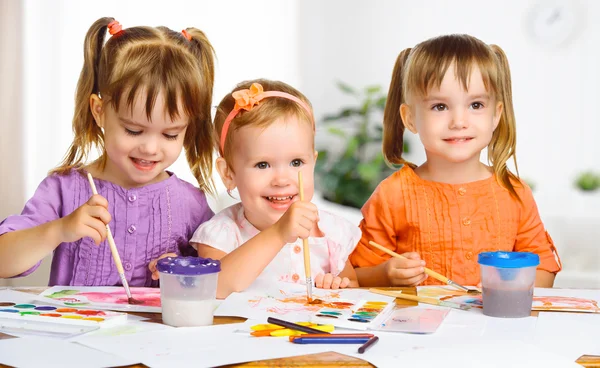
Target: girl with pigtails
point(453, 91)
point(142, 96)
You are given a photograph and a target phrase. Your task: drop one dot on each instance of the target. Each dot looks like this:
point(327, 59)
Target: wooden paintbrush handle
point(305, 247)
point(109, 237)
point(431, 273)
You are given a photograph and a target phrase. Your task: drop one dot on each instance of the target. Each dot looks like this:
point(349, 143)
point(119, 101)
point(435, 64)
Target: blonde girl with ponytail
point(144, 94)
point(454, 92)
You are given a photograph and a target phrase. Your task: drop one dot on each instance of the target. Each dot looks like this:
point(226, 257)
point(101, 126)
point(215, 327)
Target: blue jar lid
point(509, 259)
point(188, 265)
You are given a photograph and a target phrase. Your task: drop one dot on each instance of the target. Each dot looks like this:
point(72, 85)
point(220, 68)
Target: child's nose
point(149, 146)
point(281, 178)
point(459, 120)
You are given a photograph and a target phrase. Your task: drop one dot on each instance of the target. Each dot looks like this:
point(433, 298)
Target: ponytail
point(85, 130)
point(504, 140)
point(393, 127)
point(198, 142)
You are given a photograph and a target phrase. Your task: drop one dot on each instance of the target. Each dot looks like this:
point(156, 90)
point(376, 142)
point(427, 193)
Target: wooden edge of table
point(321, 360)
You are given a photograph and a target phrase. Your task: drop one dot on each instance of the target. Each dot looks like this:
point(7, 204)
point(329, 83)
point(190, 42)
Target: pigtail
point(198, 143)
point(393, 127)
point(85, 130)
point(504, 140)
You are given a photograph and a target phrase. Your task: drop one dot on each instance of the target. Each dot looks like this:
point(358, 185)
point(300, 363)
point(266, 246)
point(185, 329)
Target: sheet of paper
point(205, 347)
point(500, 354)
point(130, 328)
point(103, 297)
point(288, 301)
point(41, 352)
point(575, 300)
point(569, 334)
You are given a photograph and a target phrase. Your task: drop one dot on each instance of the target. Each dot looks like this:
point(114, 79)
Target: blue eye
point(296, 163)
point(262, 165)
point(132, 132)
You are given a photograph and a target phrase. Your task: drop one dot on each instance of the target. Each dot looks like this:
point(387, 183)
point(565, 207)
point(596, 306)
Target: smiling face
point(454, 123)
point(265, 165)
point(138, 148)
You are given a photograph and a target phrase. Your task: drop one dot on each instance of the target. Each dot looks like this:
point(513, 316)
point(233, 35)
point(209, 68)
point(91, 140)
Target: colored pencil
point(293, 326)
point(368, 344)
point(342, 335)
point(305, 247)
point(327, 340)
point(431, 273)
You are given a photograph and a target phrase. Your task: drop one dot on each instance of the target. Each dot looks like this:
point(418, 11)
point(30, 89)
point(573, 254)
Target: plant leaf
point(346, 88)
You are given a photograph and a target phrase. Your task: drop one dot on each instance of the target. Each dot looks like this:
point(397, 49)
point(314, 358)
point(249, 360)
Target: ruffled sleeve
point(221, 232)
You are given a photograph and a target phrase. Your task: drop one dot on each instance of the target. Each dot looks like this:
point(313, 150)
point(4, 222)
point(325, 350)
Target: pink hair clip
point(114, 27)
point(186, 34)
point(247, 99)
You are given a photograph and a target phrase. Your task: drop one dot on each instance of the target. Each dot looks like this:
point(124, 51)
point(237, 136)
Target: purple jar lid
point(188, 265)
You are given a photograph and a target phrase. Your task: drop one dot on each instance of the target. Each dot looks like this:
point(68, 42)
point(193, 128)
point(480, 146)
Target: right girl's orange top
point(450, 224)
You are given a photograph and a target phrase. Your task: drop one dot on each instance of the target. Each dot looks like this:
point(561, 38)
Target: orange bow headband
point(247, 99)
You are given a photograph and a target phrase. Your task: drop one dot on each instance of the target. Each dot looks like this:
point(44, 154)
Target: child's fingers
point(98, 200)
point(100, 213)
point(419, 280)
point(327, 281)
point(407, 273)
point(319, 281)
point(405, 263)
point(345, 283)
point(94, 229)
point(335, 284)
point(413, 256)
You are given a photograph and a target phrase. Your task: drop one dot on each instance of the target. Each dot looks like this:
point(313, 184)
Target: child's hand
point(328, 281)
point(88, 220)
point(152, 264)
point(405, 272)
point(297, 221)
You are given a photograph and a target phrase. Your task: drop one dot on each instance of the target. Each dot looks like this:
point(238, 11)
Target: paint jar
point(188, 290)
point(507, 280)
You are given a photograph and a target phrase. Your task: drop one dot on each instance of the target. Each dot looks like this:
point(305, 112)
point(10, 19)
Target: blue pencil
point(330, 340)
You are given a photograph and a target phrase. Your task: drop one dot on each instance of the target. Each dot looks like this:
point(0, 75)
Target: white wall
point(555, 87)
point(252, 40)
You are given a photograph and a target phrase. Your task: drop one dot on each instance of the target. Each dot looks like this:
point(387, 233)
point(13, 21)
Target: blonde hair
point(424, 66)
point(153, 60)
point(264, 114)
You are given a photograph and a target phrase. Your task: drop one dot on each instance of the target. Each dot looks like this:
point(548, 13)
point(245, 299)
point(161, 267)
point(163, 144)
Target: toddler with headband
point(265, 135)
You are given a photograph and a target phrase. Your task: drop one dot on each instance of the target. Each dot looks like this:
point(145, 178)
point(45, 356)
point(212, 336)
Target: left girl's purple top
point(146, 222)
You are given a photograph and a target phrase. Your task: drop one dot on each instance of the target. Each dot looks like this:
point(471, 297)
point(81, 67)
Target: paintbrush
point(115, 253)
point(305, 248)
point(421, 299)
point(431, 273)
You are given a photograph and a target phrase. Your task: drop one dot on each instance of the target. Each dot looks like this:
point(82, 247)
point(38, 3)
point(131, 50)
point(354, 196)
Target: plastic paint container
point(508, 279)
point(188, 290)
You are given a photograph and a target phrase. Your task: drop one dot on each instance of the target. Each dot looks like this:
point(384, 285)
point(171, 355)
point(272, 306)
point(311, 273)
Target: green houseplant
point(349, 175)
point(588, 181)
